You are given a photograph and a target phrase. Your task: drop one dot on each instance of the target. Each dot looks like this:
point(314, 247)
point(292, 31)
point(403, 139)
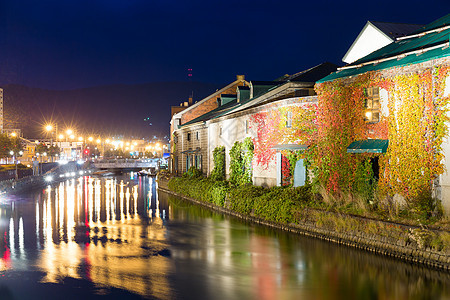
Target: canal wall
point(400, 241)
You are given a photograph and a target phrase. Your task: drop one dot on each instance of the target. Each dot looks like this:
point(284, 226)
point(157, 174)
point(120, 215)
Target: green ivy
point(241, 157)
point(218, 173)
point(365, 183)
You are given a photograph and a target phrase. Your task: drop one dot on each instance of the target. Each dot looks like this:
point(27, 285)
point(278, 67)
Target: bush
point(280, 203)
point(277, 204)
point(200, 188)
point(426, 206)
point(242, 198)
point(193, 172)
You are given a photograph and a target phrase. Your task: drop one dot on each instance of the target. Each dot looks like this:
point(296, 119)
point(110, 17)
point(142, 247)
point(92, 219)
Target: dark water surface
point(117, 238)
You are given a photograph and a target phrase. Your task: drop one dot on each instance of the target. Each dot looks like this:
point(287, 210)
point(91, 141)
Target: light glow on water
point(114, 233)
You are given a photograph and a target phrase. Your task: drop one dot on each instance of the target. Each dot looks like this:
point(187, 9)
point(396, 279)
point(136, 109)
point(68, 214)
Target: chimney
point(190, 100)
point(185, 104)
point(240, 77)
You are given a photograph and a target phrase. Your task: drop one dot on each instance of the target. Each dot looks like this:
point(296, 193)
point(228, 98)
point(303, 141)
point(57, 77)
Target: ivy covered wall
point(413, 116)
point(271, 127)
point(414, 125)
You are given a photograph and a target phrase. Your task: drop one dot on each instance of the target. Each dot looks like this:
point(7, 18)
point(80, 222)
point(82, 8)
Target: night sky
point(66, 44)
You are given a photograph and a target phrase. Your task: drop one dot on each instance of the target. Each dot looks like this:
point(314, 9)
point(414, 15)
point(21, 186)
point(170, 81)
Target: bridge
point(127, 163)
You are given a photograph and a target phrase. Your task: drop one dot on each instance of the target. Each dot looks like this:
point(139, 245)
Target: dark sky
point(65, 44)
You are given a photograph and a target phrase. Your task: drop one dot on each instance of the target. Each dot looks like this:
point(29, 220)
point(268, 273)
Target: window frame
point(372, 105)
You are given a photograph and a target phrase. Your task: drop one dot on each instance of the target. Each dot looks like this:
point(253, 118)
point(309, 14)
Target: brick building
point(189, 143)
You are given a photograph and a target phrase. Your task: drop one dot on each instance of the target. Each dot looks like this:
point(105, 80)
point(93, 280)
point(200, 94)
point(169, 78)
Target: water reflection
point(102, 230)
point(119, 233)
point(248, 261)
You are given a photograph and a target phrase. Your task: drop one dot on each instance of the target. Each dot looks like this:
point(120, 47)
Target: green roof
point(227, 98)
point(368, 146)
point(244, 93)
point(402, 52)
point(441, 22)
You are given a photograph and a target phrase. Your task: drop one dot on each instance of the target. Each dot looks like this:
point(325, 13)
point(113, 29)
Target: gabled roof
point(429, 42)
point(374, 36)
point(395, 30)
point(264, 87)
point(215, 94)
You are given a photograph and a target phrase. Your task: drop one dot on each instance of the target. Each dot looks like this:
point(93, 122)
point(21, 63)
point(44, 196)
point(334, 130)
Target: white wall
point(369, 40)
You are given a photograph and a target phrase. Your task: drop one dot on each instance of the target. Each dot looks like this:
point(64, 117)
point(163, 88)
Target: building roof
point(313, 74)
point(238, 80)
point(262, 87)
point(395, 30)
point(213, 113)
point(374, 36)
point(441, 22)
point(427, 43)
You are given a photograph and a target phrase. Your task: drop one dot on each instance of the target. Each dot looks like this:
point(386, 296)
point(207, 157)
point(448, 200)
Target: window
point(198, 136)
point(289, 119)
point(246, 127)
point(220, 131)
point(372, 105)
point(189, 137)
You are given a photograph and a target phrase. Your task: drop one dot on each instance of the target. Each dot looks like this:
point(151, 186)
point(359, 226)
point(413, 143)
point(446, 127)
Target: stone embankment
point(400, 241)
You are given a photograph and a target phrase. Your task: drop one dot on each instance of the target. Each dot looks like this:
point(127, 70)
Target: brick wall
point(208, 105)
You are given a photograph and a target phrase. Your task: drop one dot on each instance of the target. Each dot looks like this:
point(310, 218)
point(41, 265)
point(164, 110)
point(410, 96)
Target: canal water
point(118, 238)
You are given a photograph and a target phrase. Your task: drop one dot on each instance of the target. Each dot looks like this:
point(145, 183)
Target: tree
point(16, 145)
point(41, 148)
point(53, 151)
point(5, 145)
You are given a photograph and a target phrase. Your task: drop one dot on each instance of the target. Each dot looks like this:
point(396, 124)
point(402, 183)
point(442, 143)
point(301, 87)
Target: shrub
point(200, 188)
point(276, 204)
point(279, 203)
point(242, 198)
point(193, 172)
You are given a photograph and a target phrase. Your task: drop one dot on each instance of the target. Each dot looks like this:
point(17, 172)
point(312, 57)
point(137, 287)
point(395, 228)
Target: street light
point(49, 128)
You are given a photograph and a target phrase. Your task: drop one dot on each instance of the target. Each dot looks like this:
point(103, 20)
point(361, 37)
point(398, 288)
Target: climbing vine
point(241, 157)
point(417, 115)
point(271, 130)
point(218, 173)
point(414, 125)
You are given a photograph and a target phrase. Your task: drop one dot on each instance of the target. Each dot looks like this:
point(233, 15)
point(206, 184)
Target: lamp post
point(61, 137)
point(81, 140)
point(49, 129)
